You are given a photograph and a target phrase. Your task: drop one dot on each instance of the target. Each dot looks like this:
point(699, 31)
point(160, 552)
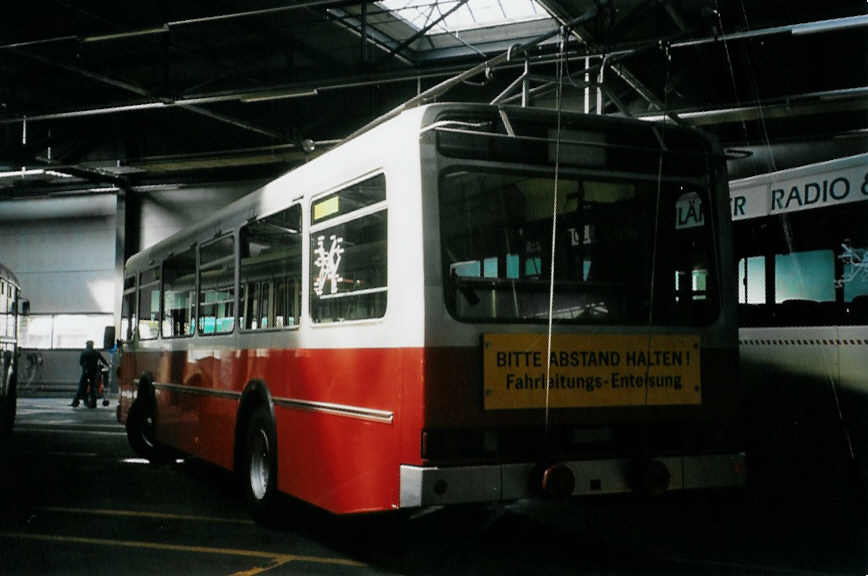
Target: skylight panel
point(473, 14)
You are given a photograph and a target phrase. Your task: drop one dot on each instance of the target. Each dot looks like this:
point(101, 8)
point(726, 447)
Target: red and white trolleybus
point(464, 303)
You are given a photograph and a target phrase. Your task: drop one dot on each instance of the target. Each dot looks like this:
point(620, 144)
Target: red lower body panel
point(331, 451)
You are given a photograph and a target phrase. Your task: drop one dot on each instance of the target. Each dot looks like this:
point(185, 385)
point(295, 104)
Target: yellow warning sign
point(588, 370)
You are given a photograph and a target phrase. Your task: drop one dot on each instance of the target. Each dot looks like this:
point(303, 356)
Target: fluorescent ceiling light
point(473, 14)
point(34, 172)
point(22, 172)
point(101, 190)
point(830, 25)
point(206, 99)
point(57, 174)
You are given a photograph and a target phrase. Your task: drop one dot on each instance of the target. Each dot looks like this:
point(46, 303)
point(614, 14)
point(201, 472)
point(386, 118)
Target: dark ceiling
point(135, 94)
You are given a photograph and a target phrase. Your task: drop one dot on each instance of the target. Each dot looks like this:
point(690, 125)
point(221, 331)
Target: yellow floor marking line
point(276, 558)
point(136, 514)
point(260, 569)
point(67, 431)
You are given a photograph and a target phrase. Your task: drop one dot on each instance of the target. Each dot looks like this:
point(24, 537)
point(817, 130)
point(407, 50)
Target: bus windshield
point(496, 235)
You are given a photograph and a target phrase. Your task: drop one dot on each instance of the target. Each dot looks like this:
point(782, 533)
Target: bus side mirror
point(108, 338)
point(25, 307)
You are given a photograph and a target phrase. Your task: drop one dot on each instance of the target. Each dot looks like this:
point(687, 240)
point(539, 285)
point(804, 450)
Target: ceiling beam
point(138, 90)
point(372, 36)
point(848, 99)
point(352, 81)
point(424, 30)
point(584, 36)
point(675, 15)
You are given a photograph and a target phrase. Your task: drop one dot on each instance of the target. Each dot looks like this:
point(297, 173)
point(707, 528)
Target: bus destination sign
point(590, 370)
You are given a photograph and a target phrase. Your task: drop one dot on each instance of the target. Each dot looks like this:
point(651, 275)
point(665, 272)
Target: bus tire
point(140, 433)
point(259, 466)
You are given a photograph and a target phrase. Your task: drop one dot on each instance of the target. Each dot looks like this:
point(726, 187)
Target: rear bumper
point(432, 486)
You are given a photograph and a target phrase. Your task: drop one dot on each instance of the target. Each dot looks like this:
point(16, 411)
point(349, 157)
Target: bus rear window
point(496, 234)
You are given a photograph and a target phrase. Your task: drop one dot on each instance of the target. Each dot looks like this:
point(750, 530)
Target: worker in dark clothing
point(90, 361)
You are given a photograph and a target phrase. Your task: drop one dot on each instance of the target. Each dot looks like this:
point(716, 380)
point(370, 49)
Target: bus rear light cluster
point(558, 481)
point(650, 477)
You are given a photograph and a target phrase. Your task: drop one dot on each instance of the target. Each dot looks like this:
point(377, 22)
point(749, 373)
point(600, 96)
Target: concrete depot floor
point(75, 500)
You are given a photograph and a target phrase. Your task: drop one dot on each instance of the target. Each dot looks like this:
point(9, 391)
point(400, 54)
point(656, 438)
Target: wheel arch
point(145, 387)
point(255, 394)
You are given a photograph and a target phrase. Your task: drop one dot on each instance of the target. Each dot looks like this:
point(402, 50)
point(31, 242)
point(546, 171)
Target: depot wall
point(64, 252)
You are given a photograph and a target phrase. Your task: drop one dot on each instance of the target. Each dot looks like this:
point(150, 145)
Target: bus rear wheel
point(140, 433)
point(259, 468)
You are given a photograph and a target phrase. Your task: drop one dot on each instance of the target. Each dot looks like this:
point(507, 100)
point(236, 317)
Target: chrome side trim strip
point(197, 391)
point(382, 416)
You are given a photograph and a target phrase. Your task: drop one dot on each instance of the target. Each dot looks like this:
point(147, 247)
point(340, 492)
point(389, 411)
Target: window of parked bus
point(811, 260)
point(128, 308)
point(217, 286)
point(149, 304)
point(854, 278)
point(752, 280)
point(270, 273)
point(805, 276)
point(4, 318)
point(348, 253)
point(4, 307)
point(179, 294)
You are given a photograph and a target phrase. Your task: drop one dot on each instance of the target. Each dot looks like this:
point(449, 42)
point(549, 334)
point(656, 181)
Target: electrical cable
point(661, 136)
point(560, 82)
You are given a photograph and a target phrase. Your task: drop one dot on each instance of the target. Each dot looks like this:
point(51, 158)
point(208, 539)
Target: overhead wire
point(558, 101)
point(787, 230)
point(661, 138)
point(788, 233)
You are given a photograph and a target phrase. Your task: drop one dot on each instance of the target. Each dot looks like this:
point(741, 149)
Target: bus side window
point(3, 311)
point(149, 304)
point(217, 286)
point(128, 308)
point(179, 294)
point(270, 285)
point(348, 258)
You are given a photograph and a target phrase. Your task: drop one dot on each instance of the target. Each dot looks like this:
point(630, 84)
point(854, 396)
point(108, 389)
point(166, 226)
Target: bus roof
point(223, 221)
point(244, 209)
